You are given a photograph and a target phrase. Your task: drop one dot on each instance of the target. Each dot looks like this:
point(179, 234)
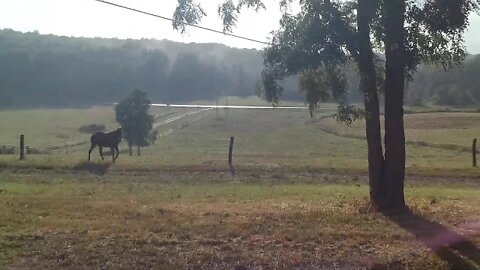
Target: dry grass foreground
point(257, 219)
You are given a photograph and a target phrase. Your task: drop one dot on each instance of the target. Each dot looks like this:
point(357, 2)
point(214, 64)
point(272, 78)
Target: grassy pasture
point(45, 127)
point(298, 199)
point(178, 220)
point(454, 128)
point(262, 138)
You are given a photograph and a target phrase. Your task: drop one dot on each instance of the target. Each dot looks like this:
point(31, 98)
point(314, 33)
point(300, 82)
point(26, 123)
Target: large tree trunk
point(394, 19)
point(130, 149)
point(368, 85)
point(138, 150)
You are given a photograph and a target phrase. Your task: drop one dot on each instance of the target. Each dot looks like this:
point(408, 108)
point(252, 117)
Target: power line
point(173, 20)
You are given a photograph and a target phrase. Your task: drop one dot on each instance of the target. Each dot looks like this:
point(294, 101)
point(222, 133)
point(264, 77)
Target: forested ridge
point(45, 70)
point(458, 86)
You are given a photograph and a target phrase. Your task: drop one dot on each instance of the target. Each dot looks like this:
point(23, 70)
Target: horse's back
point(98, 138)
point(105, 139)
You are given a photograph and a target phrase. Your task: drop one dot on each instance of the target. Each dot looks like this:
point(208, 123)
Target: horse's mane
point(116, 132)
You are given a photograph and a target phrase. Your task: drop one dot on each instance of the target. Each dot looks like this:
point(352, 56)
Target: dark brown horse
point(111, 140)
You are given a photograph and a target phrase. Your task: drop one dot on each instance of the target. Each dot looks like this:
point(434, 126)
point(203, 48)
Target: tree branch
point(350, 36)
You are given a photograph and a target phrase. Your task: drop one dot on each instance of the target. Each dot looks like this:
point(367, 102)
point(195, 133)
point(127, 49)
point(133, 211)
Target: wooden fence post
point(474, 152)
point(230, 151)
point(22, 147)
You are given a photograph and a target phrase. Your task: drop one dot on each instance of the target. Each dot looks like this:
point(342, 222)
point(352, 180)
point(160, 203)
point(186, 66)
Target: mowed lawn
point(296, 197)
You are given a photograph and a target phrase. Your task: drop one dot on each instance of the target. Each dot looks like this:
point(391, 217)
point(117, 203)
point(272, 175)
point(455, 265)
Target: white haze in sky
point(88, 18)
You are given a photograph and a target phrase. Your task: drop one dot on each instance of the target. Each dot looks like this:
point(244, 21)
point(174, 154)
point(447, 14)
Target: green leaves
point(132, 114)
point(229, 14)
point(228, 11)
point(269, 87)
point(310, 44)
point(320, 85)
point(435, 31)
point(348, 113)
point(187, 12)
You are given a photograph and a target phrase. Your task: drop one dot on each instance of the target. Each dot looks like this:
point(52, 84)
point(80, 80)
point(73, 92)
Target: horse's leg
point(112, 150)
point(90, 151)
point(100, 149)
point(118, 152)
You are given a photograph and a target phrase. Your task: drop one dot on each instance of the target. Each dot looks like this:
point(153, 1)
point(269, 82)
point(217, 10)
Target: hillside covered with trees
point(45, 70)
point(458, 86)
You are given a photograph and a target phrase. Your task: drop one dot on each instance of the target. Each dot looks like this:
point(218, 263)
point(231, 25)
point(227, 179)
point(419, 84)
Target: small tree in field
point(132, 114)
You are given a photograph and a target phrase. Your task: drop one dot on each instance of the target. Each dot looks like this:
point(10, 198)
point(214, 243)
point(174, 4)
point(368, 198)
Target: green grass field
point(454, 128)
point(265, 138)
point(298, 198)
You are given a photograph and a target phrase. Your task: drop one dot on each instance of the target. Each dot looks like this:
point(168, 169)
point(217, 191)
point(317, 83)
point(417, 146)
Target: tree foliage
point(133, 115)
point(187, 12)
point(323, 37)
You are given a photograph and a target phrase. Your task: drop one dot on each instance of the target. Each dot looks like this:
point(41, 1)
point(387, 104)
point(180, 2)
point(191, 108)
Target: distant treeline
point(458, 86)
point(45, 70)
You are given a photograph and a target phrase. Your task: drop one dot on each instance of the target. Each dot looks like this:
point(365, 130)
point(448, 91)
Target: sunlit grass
point(455, 128)
point(262, 138)
point(297, 195)
point(277, 214)
point(51, 127)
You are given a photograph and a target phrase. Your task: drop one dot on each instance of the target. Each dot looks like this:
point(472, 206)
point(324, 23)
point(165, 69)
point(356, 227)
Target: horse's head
point(119, 133)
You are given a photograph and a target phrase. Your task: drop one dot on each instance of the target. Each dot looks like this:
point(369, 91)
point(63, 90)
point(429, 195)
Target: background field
point(262, 137)
point(440, 128)
point(298, 197)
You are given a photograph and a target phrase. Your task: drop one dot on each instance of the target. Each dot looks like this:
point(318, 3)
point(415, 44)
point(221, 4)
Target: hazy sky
point(89, 18)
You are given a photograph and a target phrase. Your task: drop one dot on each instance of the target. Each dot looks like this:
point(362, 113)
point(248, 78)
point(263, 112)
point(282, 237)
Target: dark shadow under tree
point(453, 248)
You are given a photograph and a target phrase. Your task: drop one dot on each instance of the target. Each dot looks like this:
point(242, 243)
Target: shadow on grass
point(451, 247)
point(93, 168)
